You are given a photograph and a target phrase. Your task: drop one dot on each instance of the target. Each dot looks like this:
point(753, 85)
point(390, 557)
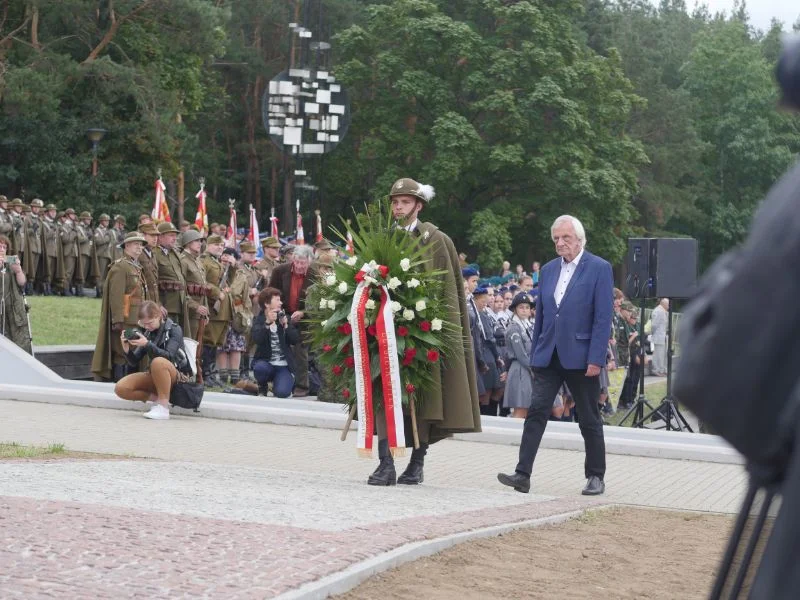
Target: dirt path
point(617, 553)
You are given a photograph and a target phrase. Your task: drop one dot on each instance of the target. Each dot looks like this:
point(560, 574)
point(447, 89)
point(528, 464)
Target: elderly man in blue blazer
point(570, 340)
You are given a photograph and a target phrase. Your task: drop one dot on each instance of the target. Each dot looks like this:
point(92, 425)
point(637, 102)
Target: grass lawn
point(58, 321)
point(15, 450)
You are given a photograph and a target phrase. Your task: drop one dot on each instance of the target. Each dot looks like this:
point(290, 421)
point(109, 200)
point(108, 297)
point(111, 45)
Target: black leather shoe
point(594, 487)
point(520, 482)
point(384, 474)
point(412, 475)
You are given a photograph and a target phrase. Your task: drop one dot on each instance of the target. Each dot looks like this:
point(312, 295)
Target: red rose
point(406, 361)
point(345, 329)
point(349, 362)
point(372, 330)
point(327, 348)
point(346, 393)
point(383, 270)
point(409, 355)
point(337, 369)
point(345, 349)
point(410, 388)
point(425, 326)
point(402, 331)
point(359, 277)
point(433, 355)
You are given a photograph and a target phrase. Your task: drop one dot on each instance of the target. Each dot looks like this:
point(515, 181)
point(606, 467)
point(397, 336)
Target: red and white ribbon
point(389, 369)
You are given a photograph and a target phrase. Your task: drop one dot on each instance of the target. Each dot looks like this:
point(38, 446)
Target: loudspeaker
point(661, 268)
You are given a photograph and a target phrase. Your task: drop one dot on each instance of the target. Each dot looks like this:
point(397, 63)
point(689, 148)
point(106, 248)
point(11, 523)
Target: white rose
point(342, 288)
point(436, 325)
point(323, 303)
point(370, 304)
point(420, 305)
point(370, 280)
point(405, 264)
point(332, 304)
point(325, 322)
point(373, 265)
point(408, 314)
point(412, 283)
point(394, 283)
point(330, 280)
point(396, 307)
point(351, 262)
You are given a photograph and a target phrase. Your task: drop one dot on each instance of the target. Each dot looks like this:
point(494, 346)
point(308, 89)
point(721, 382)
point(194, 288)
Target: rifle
point(222, 280)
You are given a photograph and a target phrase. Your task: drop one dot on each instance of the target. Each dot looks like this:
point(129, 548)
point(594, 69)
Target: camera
point(11, 260)
point(281, 314)
point(131, 333)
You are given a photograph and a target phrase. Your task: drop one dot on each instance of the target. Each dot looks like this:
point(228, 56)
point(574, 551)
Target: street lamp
point(95, 135)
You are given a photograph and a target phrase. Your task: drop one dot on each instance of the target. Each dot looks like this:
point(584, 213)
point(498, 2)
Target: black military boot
point(385, 473)
point(413, 473)
point(79, 291)
point(99, 292)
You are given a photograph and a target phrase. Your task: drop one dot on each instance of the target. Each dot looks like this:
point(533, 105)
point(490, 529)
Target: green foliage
point(489, 233)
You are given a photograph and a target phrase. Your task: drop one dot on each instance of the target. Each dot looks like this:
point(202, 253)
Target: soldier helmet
point(187, 237)
point(3, 199)
point(247, 247)
point(61, 214)
point(86, 215)
point(104, 217)
point(324, 245)
point(26, 208)
point(166, 227)
point(409, 187)
point(133, 236)
point(37, 202)
point(215, 239)
point(16, 202)
point(270, 242)
point(51, 207)
point(145, 218)
point(119, 219)
point(69, 211)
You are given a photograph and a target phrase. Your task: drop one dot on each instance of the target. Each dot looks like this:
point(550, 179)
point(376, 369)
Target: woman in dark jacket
point(161, 341)
point(273, 334)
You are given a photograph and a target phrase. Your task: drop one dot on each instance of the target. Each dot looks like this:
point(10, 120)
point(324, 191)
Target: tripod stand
point(668, 409)
point(637, 410)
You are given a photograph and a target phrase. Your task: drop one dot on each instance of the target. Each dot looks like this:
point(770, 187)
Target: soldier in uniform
point(248, 251)
point(18, 229)
point(88, 255)
point(218, 275)
point(103, 245)
point(123, 293)
point(33, 246)
point(171, 284)
point(145, 220)
point(197, 289)
point(70, 249)
point(148, 260)
point(6, 220)
point(271, 248)
point(119, 232)
point(53, 263)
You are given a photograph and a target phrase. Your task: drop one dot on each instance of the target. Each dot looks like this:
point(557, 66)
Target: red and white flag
point(319, 226)
point(300, 237)
point(160, 207)
point(230, 238)
point(201, 218)
point(273, 220)
point(253, 235)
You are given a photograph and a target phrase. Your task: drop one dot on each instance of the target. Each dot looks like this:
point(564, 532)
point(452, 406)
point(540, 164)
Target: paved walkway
point(247, 510)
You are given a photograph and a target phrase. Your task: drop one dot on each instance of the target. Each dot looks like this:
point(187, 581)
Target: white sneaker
point(158, 411)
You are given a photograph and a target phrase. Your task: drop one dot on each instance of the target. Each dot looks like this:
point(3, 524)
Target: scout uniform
point(124, 291)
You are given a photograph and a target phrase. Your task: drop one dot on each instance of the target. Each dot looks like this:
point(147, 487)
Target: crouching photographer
point(160, 340)
point(273, 334)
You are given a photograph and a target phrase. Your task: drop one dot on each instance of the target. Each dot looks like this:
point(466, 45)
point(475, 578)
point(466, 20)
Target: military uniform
point(219, 318)
point(89, 268)
point(171, 284)
point(123, 293)
point(14, 319)
point(52, 266)
point(197, 289)
point(73, 275)
point(150, 271)
point(6, 220)
point(33, 246)
point(104, 247)
point(17, 229)
point(119, 232)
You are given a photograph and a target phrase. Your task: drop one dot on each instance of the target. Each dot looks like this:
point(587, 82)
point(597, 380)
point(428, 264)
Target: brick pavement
point(247, 510)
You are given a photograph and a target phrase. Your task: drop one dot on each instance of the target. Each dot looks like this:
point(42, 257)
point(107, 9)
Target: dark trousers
point(586, 392)
point(631, 384)
point(281, 377)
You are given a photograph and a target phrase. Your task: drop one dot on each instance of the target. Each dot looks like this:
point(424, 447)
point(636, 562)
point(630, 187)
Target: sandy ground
point(616, 553)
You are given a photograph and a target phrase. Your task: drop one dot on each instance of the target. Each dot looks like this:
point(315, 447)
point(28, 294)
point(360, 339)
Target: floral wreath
point(381, 326)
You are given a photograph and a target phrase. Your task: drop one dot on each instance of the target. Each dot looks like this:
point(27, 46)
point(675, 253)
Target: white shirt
point(567, 271)
point(413, 226)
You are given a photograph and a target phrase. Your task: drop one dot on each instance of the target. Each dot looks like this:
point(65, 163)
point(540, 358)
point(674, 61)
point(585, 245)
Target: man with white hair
point(570, 340)
point(293, 280)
